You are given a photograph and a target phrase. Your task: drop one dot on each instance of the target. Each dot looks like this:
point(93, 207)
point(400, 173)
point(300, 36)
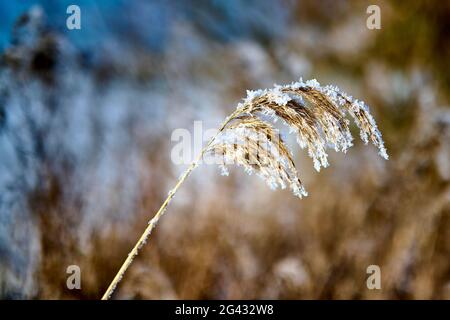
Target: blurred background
point(86, 118)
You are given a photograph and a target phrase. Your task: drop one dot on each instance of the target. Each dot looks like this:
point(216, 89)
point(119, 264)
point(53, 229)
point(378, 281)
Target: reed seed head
point(316, 114)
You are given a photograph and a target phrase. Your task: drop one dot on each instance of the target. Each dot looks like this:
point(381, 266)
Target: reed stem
point(152, 223)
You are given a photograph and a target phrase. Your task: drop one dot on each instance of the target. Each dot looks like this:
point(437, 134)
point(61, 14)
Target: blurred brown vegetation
point(231, 237)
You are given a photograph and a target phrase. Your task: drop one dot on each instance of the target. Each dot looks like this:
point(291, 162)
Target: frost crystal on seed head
point(315, 114)
point(223, 170)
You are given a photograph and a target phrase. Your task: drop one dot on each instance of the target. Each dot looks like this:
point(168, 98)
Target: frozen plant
point(316, 114)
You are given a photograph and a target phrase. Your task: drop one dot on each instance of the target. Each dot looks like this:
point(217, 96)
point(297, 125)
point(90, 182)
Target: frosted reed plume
point(316, 114)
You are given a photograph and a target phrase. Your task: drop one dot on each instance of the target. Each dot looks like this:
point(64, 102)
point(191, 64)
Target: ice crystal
point(315, 114)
